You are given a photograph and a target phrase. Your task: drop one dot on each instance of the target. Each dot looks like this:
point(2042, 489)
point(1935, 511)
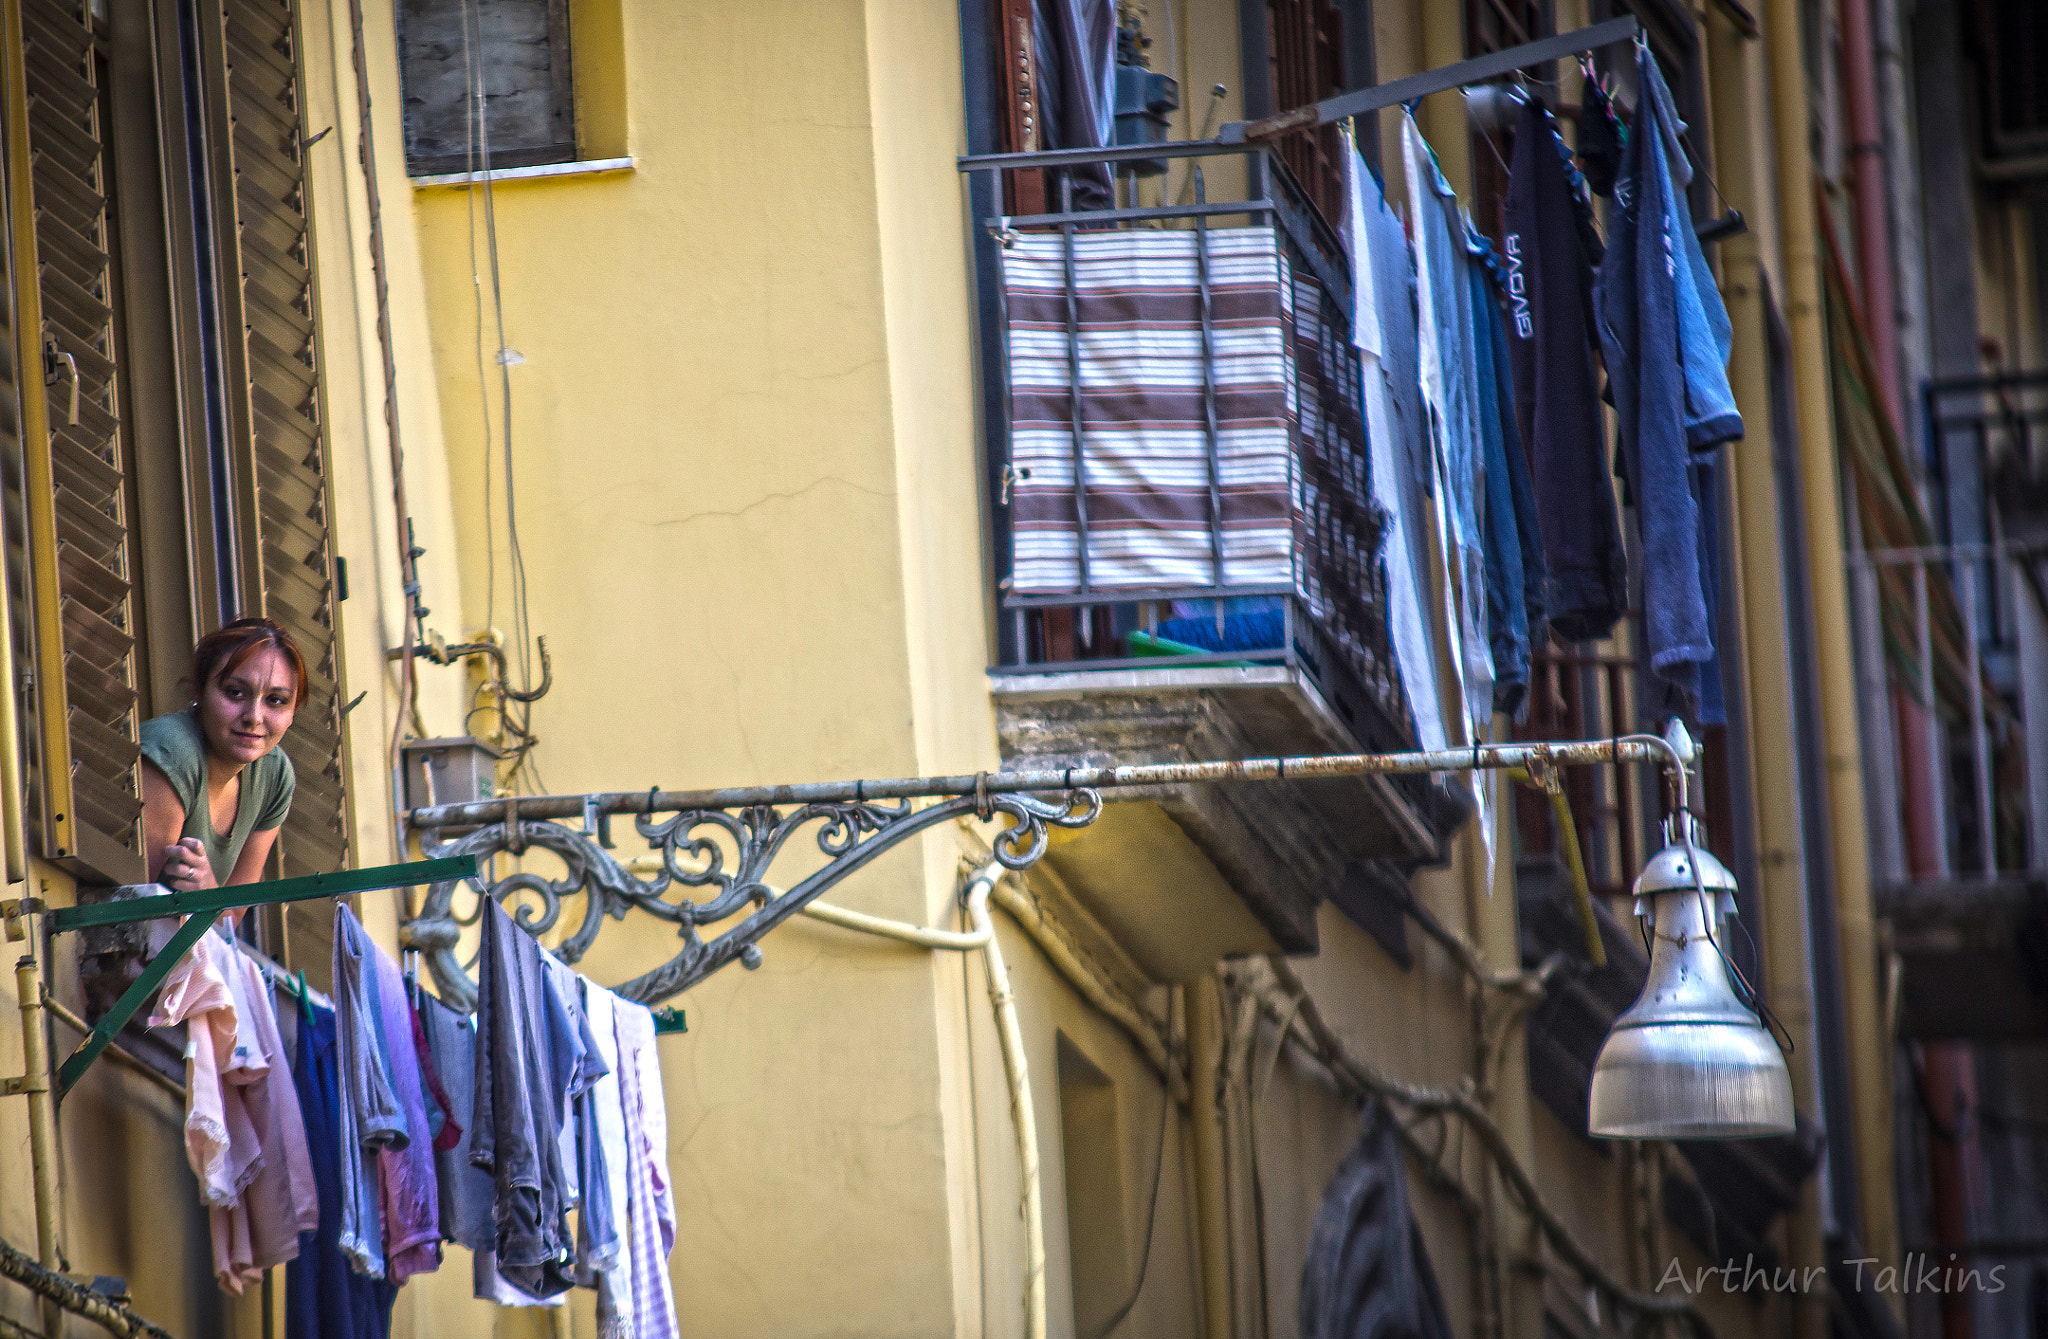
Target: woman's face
point(246, 710)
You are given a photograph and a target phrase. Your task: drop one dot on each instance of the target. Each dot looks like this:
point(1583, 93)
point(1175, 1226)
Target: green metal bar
point(153, 975)
point(201, 909)
point(126, 912)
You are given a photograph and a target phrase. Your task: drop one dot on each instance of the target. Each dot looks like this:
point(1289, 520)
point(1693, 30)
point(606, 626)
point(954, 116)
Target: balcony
point(1962, 624)
point(1187, 553)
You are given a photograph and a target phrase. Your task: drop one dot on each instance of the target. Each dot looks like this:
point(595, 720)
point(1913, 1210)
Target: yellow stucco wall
point(754, 546)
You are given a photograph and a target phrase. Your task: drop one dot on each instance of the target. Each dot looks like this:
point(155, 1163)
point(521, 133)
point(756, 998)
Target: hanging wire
point(472, 75)
point(1749, 996)
point(517, 728)
point(1166, 1105)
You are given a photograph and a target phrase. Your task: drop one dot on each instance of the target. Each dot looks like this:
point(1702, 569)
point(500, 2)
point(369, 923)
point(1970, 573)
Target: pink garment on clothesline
point(244, 1133)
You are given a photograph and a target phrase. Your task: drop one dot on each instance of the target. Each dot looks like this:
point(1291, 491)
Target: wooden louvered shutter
point(73, 482)
point(274, 396)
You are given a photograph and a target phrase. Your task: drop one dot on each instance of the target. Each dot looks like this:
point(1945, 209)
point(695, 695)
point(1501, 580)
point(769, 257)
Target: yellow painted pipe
point(1741, 152)
point(1869, 1073)
point(1574, 860)
point(1443, 117)
point(38, 475)
point(42, 1121)
point(1212, 1210)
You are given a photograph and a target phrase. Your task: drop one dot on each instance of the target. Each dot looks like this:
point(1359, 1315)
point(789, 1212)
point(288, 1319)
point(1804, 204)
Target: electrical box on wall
point(455, 770)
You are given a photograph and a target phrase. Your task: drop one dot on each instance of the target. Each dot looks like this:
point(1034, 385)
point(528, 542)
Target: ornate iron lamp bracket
point(696, 832)
point(726, 852)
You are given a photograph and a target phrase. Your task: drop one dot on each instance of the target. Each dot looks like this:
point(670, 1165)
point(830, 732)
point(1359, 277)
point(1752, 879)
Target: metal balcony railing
point(1581, 692)
point(1176, 443)
point(1962, 626)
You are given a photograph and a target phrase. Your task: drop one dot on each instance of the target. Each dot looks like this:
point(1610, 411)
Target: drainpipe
point(35, 433)
point(1205, 1057)
point(1902, 179)
point(1881, 322)
point(1443, 116)
point(1834, 662)
point(1947, 1067)
point(34, 1084)
point(1780, 863)
point(1950, 1076)
point(1873, 223)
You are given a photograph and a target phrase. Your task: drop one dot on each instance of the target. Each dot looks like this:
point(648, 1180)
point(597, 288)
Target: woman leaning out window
point(215, 783)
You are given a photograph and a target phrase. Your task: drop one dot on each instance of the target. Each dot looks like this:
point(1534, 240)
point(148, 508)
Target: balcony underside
point(1190, 874)
point(1975, 955)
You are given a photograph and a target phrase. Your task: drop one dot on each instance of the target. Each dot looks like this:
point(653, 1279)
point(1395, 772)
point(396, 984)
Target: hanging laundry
point(597, 1238)
point(574, 1064)
point(1449, 392)
point(604, 1216)
point(407, 1190)
point(517, 1115)
point(370, 1116)
point(650, 1200)
point(1514, 554)
point(1666, 338)
point(1380, 273)
point(1713, 705)
point(1706, 334)
point(261, 1228)
point(325, 1296)
point(196, 994)
point(441, 1120)
point(1075, 43)
point(491, 1286)
point(1557, 391)
point(1600, 137)
point(465, 1190)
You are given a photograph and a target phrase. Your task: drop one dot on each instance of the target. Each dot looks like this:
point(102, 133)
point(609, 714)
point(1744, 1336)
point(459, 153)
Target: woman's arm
point(163, 818)
point(255, 853)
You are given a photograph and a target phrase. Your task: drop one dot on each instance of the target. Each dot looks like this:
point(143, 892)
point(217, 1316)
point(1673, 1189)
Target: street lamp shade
point(1689, 1060)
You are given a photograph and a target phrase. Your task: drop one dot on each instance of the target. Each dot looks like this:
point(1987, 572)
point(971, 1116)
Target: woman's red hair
point(228, 648)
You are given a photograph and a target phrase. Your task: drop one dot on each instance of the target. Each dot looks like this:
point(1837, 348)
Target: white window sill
point(587, 167)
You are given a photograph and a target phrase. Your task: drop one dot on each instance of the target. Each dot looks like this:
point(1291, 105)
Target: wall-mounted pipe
point(34, 1084)
point(1834, 664)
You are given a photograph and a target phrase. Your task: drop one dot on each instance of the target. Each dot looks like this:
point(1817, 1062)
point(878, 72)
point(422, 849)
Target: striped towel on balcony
point(1145, 444)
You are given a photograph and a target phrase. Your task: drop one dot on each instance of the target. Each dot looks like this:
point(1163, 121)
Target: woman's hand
point(186, 867)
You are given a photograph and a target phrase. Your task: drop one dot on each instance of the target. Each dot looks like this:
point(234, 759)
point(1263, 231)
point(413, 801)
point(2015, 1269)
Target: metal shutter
point(74, 482)
point(275, 400)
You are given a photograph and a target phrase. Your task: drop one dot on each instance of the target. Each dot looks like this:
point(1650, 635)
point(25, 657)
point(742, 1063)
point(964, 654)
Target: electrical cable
point(1166, 1105)
point(517, 727)
point(412, 618)
point(472, 107)
point(1748, 995)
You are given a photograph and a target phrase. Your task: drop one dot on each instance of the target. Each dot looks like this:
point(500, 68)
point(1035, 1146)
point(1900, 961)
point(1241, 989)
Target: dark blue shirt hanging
point(1666, 337)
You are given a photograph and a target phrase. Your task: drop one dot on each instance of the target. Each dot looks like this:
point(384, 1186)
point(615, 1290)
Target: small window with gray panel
point(487, 83)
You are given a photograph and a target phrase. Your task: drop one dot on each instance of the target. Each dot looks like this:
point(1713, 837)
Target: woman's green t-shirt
point(176, 743)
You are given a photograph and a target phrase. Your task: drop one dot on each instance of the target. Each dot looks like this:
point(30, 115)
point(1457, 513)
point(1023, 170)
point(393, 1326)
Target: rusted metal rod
point(1482, 757)
point(79, 1300)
